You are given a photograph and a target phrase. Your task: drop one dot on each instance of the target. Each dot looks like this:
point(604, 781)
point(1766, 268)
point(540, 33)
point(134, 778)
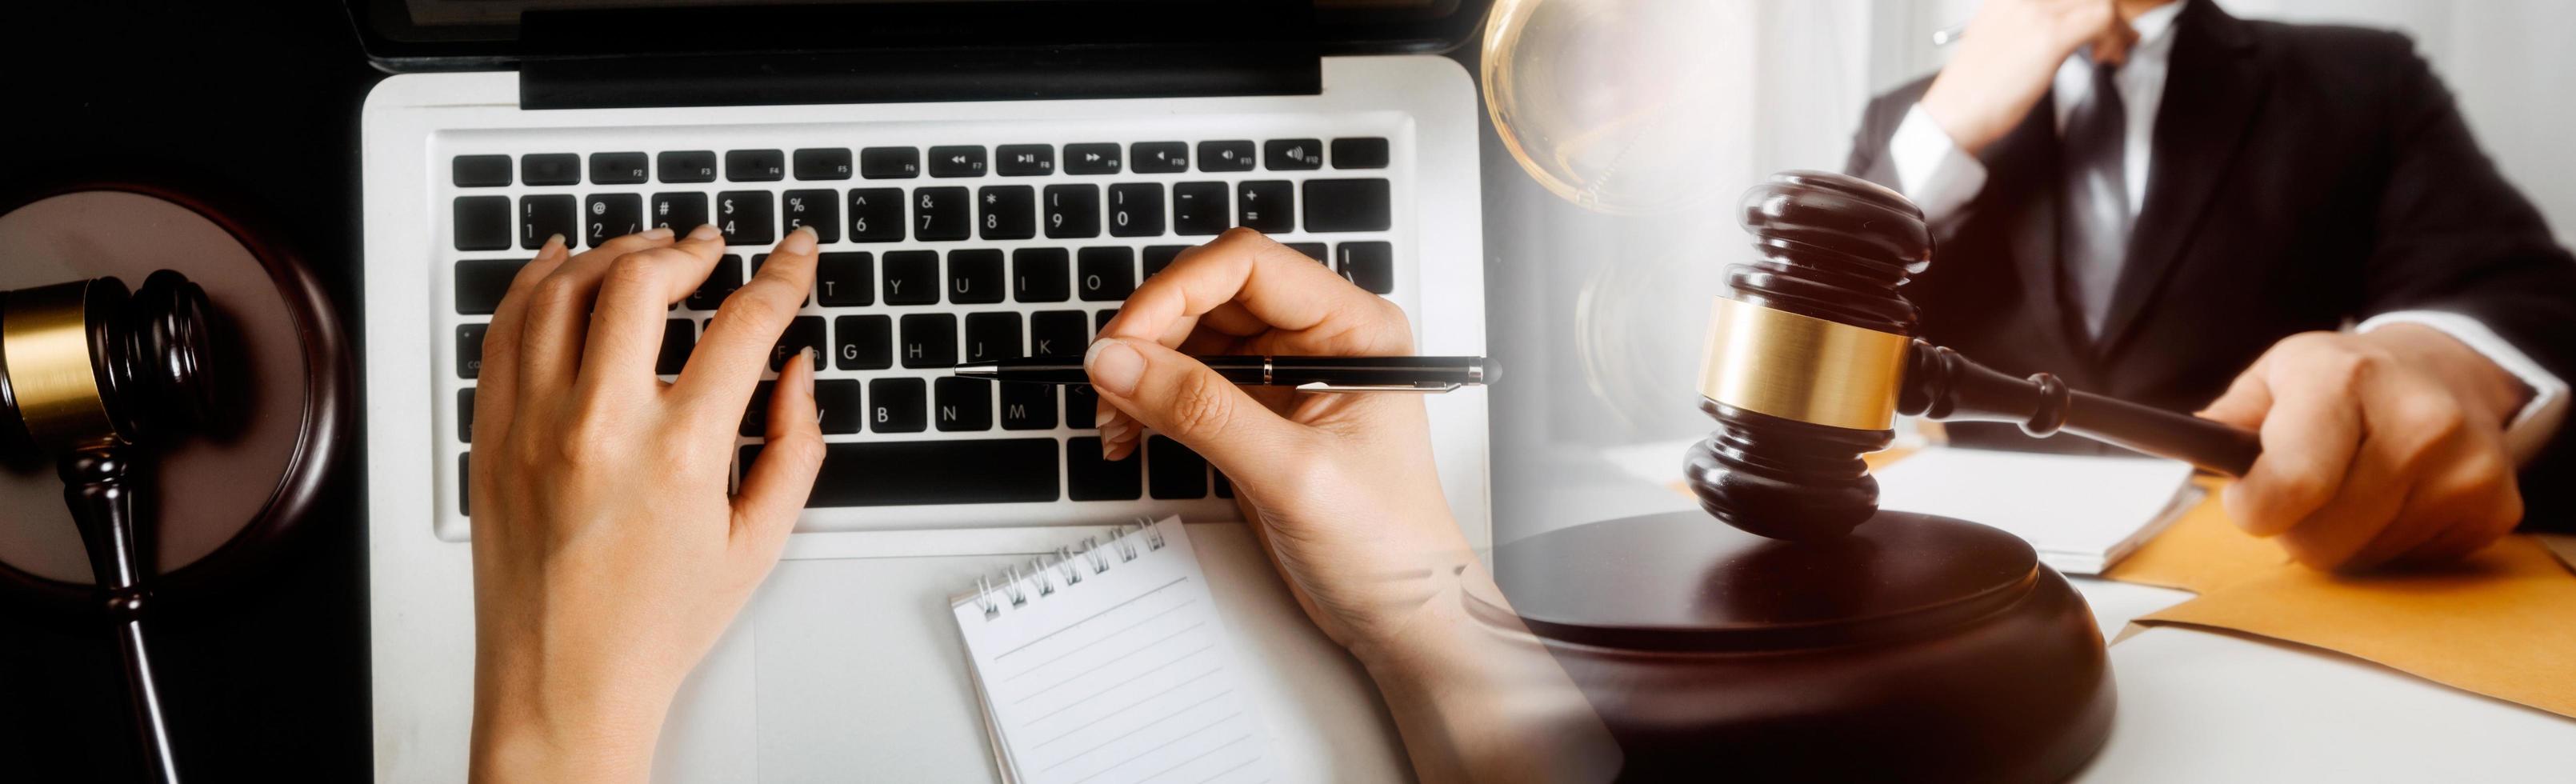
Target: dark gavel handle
point(95, 483)
point(1941, 384)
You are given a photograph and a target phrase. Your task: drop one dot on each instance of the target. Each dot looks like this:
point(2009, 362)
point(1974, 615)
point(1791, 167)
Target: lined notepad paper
point(1108, 663)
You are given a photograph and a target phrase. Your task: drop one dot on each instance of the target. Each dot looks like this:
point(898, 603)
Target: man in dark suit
point(2151, 198)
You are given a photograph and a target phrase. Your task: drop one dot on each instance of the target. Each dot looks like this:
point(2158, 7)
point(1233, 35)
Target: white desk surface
point(2205, 706)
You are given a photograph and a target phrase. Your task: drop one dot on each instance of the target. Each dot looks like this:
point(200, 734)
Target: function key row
point(877, 163)
point(935, 214)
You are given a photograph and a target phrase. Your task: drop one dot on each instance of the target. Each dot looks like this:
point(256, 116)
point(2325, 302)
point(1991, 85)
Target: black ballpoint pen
point(1313, 374)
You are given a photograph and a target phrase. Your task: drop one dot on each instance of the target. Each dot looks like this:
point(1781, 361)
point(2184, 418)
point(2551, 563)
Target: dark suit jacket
point(2302, 176)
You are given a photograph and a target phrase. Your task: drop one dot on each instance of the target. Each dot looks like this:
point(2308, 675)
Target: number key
point(1007, 212)
point(876, 215)
point(1136, 209)
point(679, 212)
point(1072, 211)
point(608, 216)
point(942, 214)
point(744, 218)
point(819, 209)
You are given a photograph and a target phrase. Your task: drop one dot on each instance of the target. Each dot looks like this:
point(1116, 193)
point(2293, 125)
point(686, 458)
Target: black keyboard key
point(479, 171)
point(1025, 160)
point(554, 168)
point(845, 279)
point(744, 218)
point(1367, 152)
point(465, 484)
point(1088, 477)
point(545, 216)
point(876, 215)
point(967, 471)
point(991, 336)
point(617, 168)
point(720, 283)
point(1227, 156)
point(1158, 157)
point(837, 406)
point(679, 212)
point(1200, 208)
point(1100, 319)
point(820, 209)
point(1159, 256)
point(482, 223)
point(830, 163)
point(1041, 275)
point(1072, 211)
point(929, 340)
point(942, 214)
point(755, 165)
point(912, 277)
point(686, 165)
point(607, 216)
point(465, 415)
point(890, 163)
point(964, 404)
point(1348, 205)
point(1371, 265)
point(1176, 471)
point(1009, 212)
point(865, 342)
point(1081, 407)
point(896, 405)
point(1292, 154)
point(480, 284)
point(1313, 250)
point(1105, 274)
point(1098, 158)
point(1136, 209)
point(802, 332)
point(679, 337)
point(1058, 333)
point(960, 160)
point(1028, 406)
point(469, 350)
point(1267, 206)
point(1224, 486)
point(975, 276)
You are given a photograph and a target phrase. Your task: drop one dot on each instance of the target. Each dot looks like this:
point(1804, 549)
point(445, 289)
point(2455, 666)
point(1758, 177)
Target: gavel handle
point(96, 484)
point(1941, 384)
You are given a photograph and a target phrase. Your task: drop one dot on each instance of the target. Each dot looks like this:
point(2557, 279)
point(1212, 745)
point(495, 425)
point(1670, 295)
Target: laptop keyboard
point(910, 281)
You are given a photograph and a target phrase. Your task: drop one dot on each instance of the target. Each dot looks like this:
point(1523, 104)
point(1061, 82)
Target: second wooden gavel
point(1813, 351)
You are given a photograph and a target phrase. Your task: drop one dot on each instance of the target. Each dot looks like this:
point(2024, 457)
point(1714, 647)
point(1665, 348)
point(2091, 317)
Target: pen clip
point(1425, 387)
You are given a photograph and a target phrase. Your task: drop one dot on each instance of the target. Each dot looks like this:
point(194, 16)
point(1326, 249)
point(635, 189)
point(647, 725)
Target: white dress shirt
point(1941, 179)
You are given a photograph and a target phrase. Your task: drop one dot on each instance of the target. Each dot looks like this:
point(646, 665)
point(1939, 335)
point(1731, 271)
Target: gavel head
point(86, 364)
point(1805, 354)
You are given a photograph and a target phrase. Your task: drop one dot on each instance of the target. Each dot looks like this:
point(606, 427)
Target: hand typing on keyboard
point(1343, 494)
point(608, 555)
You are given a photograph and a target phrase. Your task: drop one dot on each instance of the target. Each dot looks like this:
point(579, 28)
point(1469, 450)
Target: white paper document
point(2082, 513)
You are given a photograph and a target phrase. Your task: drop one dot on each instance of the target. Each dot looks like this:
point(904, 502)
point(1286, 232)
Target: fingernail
point(554, 245)
point(658, 233)
point(704, 232)
point(799, 241)
point(1114, 366)
point(805, 357)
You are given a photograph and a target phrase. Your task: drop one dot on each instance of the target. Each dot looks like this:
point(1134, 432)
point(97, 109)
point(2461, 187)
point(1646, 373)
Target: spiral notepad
point(1106, 662)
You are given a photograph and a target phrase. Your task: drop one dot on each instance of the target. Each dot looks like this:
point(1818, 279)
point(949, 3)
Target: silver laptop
point(989, 179)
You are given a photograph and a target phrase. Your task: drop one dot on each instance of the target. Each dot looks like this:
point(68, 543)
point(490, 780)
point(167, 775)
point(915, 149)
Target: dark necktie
point(2093, 203)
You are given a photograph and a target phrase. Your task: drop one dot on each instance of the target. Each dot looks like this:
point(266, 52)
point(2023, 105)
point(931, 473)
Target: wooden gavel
point(1813, 351)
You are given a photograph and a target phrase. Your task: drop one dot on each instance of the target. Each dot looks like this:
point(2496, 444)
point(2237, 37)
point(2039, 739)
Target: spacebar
point(966, 471)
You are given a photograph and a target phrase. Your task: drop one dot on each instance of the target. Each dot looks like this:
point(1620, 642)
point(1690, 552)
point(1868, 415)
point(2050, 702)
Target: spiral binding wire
point(1042, 576)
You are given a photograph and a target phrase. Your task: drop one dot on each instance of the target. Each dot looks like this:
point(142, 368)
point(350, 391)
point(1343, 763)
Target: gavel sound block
point(1814, 636)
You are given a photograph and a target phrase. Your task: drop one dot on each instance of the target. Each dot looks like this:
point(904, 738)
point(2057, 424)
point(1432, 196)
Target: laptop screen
point(434, 34)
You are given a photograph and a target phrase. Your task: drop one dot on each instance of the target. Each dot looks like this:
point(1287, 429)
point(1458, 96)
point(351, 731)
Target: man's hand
point(608, 556)
point(2379, 447)
point(2005, 62)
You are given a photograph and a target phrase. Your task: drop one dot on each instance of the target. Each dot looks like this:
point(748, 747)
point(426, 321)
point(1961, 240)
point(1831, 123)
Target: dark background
point(252, 106)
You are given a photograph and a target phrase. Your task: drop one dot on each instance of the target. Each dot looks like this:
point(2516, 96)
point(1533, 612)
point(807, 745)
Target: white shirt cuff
point(2539, 419)
point(1931, 170)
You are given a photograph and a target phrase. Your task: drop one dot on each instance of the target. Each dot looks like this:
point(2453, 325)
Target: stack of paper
point(2082, 514)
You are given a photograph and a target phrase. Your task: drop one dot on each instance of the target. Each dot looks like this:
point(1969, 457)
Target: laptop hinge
point(907, 52)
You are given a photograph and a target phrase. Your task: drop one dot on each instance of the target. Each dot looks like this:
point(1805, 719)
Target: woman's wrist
point(580, 727)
